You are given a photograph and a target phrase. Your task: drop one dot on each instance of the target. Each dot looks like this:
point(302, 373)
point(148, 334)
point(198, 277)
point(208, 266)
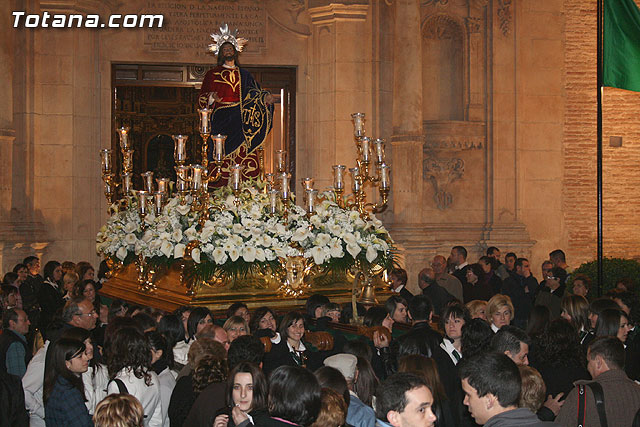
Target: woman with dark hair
point(596, 307)
point(476, 338)
point(118, 308)
point(87, 289)
point(489, 266)
point(163, 365)
point(170, 326)
point(378, 316)
point(239, 309)
point(246, 398)
point(538, 320)
point(332, 378)
point(50, 292)
point(614, 322)
point(476, 286)
point(263, 324)
point(129, 366)
point(561, 361)
point(452, 320)
point(199, 319)
point(294, 397)
point(367, 382)
point(85, 271)
point(291, 350)
point(63, 390)
point(427, 369)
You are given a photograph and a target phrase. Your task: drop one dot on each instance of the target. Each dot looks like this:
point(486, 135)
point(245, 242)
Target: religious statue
point(241, 109)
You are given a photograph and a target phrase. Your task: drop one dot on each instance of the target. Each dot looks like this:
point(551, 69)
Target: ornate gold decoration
point(296, 269)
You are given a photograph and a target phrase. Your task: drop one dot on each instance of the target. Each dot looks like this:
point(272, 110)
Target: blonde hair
point(496, 302)
point(235, 321)
point(119, 410)
point(70, 278)
point(533, 389)
point(475, 306)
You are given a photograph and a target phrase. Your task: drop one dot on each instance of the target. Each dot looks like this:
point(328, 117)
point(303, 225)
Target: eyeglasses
point(92, 314)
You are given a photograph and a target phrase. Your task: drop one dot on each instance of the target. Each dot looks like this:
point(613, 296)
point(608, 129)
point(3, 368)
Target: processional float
point(188, 242)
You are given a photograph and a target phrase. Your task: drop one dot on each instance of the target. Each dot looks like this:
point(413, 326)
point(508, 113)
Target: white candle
point(163, 185)
point(358, 124)
point(273, 201)
point(284, 185)
point(105, 160)
point(180, 148)
point(143, 199)
point(147, 180)
point(338, 176)
point(236, 177)
point(196, 177)
point(158, 198)
point(384, 177)
point(365, 148)
point(126, 184)
point(311, 200)
point(123, 133)
point(219, 146)
point(379, 146)
point(355, 173)
point(205, 115)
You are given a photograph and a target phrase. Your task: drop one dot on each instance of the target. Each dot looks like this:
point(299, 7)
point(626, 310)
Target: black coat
point(12, 407)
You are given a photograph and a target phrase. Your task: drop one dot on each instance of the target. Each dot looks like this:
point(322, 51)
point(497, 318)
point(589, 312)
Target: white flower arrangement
point(242, 234)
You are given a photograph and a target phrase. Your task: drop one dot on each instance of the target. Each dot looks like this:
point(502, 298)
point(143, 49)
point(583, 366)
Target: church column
point(341, 71)
point(407, 136)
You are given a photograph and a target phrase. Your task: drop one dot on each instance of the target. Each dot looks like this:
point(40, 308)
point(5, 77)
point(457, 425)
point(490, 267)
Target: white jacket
point(148, 395)
point(167, 380)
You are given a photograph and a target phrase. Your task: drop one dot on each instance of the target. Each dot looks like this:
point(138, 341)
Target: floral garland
point(241, 234)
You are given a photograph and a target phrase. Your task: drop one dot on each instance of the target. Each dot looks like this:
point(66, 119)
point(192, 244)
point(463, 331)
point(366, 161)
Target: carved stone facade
point(470, 95)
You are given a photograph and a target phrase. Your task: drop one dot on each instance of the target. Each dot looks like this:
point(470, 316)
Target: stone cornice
point(338, 12)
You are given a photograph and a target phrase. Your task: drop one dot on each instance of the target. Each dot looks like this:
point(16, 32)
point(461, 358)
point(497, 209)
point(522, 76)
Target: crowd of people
point(481, 344)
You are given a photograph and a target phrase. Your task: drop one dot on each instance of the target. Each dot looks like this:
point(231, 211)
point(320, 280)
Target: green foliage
point(614, 269)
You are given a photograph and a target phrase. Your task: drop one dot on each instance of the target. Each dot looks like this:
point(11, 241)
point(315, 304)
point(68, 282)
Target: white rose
point(176, 235)
point(260, 254)
point(318, 255)
point(130, 239)
point(130, 227)
point(335, 249)
point(190, 233)
point(183, 209)
point(234, 254)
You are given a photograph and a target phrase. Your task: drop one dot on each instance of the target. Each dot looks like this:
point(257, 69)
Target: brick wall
point(621, 171)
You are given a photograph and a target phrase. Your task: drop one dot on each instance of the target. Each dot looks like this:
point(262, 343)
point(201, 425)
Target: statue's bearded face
point(228, 52)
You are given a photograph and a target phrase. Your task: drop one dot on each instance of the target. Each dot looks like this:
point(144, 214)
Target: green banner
point(621, 45)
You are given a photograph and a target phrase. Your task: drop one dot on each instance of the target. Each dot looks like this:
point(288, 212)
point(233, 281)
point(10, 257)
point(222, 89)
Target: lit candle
point(127, 160)
point(196, 177)
point(284, 185)
point(219, 146)
point(147, 180)
point(273, 201)
point(180, 148)
point(163, 185)
point(355, 174)
point(358, 124)
point(143, 200)
point(307, 183)
point(205, 115)
point(379, 146)
point(365, 149)
point(105, 160)
point(123, 133)
point(158, 198)
point(384, 177)
point(126, 184)
point(236, 176)
point(338, 176)
point(281, 160)
point(311, 200)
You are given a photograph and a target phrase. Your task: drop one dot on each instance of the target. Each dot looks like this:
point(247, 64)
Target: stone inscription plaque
point(189, 24)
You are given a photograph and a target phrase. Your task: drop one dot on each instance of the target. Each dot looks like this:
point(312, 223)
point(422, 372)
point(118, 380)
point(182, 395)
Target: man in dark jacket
point(521, 287)
point(12, 408)
point(491, 383)
point(15, 353)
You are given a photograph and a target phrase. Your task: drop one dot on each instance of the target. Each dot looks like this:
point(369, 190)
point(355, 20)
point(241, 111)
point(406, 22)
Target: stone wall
point(621, 176)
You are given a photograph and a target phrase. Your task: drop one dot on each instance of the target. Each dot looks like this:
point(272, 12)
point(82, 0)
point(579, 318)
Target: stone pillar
point(341, 73)
point(407, 136)
point(7, 129)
